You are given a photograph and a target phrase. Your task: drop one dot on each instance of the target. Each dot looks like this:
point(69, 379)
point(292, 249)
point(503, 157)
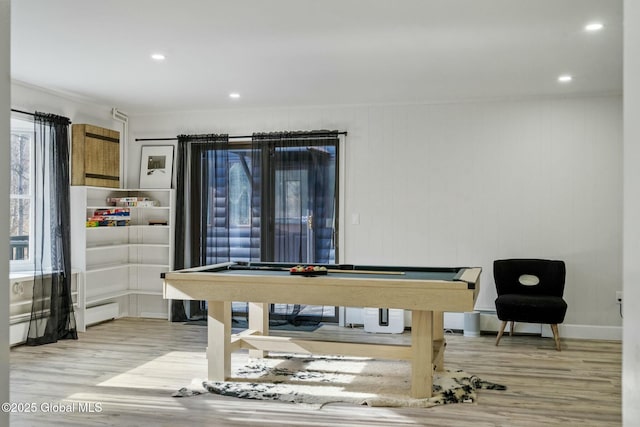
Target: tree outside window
point(239, 193)
point(20, 189)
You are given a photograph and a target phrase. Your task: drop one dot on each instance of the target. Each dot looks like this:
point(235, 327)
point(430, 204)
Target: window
point(239, 189)
point(302, 200)
point(20, 193)
point(272, 200)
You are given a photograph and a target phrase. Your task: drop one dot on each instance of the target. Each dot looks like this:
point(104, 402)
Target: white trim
point(67, 95)
point(489, 323)
point(153, 315)
point(124, 142)
point(100, 313)
point(342, 197)
point(23, 276)
point(586, 332)
point(18, 333)
point(17, 119)
point(425, 102)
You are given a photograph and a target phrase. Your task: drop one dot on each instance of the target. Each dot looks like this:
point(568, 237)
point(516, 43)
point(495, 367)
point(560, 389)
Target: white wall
point(631, 266)
point(30, 98)
point(463, 184)
point(5, 99)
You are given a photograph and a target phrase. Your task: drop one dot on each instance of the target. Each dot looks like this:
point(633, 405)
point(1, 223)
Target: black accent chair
point(530, 291)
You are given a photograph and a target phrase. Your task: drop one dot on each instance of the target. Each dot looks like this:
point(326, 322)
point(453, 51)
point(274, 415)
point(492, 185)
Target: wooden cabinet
point(122, 264)
point(95, 157)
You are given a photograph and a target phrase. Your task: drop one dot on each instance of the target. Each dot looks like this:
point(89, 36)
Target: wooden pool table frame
point(427, 300)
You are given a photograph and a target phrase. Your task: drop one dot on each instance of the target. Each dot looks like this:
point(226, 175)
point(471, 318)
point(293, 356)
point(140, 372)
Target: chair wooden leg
point(501, 331)
point(556, 335)
point(512, 328)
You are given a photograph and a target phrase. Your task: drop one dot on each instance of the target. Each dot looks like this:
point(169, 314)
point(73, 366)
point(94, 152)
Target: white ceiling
point(313, 52)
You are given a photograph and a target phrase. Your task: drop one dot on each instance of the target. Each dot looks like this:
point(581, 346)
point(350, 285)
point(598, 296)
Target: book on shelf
point(116, 217)
point(140, 202)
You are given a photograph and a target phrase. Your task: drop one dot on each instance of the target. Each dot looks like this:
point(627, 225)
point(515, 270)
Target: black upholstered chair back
point(530, 290)
point(550, 273)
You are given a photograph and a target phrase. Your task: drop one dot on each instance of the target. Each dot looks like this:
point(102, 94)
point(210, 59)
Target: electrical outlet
point(618, 297)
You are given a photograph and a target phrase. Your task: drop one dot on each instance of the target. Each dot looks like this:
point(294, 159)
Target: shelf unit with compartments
point(121, 265)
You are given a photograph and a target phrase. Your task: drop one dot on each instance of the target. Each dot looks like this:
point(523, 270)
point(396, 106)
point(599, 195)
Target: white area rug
point(319, 380)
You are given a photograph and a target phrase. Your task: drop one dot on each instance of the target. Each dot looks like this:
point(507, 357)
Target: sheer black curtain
point(292, 210)
point(52, 315)
point(294, 195)
point(202, 217)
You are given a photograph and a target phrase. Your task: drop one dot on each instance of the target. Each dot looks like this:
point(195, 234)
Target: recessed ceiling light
point(593, 26)
point(565, 78)
point(234, 95)
point(158, 57)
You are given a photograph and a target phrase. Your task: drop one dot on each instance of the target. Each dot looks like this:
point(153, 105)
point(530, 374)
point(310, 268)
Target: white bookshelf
point(122, 264)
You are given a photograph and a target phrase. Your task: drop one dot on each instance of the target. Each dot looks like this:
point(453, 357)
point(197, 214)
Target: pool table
point(427, 292)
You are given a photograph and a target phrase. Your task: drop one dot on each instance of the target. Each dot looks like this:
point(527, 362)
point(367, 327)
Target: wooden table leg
point(219, 339)
point(421, 354)
point(438, 325)
point(438, 335)
point(259, 322)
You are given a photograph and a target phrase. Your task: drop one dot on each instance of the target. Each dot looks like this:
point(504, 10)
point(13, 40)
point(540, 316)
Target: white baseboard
point(489, 323)
point(153, 315)
point(587, 332)
point(100, 313)
point(18, 333)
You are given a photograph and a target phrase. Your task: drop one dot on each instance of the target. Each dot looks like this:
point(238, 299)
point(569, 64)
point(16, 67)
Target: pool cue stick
point(267, 268)
point(395, 273)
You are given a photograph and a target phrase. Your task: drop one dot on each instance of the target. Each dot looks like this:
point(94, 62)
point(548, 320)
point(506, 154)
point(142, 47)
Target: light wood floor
point(131, 367)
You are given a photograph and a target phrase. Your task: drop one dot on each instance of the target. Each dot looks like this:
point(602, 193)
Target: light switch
point(355, 219)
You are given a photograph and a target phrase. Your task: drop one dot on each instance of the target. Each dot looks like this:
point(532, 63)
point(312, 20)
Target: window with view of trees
point(22, 136)
point(239, 190)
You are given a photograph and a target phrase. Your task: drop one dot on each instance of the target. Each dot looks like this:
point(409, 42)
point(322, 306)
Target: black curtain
point(201, 225)
point(52, 315)
point(294, 195)
point(292, 204)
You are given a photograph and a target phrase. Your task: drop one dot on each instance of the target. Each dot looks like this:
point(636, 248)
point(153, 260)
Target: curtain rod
point(230, 137)
point(28, 113)
point(23, 112)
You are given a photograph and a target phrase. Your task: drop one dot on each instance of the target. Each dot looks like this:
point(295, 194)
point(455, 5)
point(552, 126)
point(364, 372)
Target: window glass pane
point(239, 191)
point(19, 228)
point(289, 196)
point(20, 189)
point(21, 138)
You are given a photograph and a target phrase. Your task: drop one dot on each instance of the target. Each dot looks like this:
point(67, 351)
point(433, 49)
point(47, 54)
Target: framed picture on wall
point(156, 166)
